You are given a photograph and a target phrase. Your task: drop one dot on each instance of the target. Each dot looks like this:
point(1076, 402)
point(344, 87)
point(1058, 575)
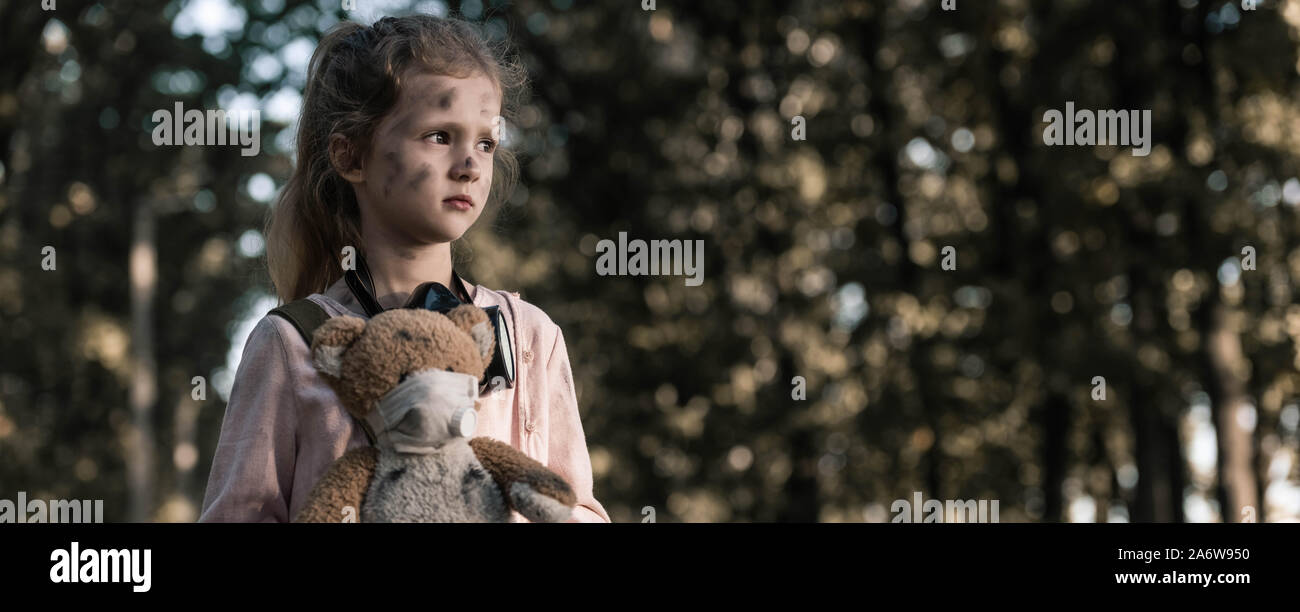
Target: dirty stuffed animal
point(412, 375)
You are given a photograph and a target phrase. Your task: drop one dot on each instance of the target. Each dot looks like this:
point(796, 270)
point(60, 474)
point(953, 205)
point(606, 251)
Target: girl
point(397, 156)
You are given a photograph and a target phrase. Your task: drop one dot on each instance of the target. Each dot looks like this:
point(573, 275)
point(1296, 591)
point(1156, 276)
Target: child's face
point(437, 144)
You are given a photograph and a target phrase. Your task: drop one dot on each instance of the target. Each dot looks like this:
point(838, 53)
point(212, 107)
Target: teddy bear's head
point(364, 360)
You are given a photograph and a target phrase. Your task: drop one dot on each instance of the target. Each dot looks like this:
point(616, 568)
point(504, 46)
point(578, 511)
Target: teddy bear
point(412, 376)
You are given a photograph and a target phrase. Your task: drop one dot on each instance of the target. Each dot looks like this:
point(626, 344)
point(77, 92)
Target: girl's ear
point(344, 158)
point(331, 339)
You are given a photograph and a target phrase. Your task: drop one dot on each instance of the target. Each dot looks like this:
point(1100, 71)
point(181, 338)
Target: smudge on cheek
point(420, 176)
point(394, 171)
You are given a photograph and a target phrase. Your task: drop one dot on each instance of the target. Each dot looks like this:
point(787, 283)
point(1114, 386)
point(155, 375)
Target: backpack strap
point(306, 316)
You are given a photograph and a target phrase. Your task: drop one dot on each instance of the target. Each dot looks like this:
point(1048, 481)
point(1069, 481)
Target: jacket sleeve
point(252, 472)
point(567, 455)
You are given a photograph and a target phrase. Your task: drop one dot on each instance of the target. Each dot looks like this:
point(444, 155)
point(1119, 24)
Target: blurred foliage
point(821, 256)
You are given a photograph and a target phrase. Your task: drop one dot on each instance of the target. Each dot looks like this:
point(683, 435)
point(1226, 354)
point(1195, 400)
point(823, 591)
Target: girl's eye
point(485, 145)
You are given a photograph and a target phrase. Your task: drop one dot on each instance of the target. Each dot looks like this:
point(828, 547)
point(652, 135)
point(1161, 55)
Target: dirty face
point(429, 169)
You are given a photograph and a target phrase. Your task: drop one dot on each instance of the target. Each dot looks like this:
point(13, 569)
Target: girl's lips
point(457, 204)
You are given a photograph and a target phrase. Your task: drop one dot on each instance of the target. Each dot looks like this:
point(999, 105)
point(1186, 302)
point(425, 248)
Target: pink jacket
point(284, 425)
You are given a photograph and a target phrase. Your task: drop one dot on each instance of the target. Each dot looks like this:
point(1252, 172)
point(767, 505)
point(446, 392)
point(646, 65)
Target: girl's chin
point(443, 233)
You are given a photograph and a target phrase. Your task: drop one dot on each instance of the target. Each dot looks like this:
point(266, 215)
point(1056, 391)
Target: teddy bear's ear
point(330, 340)
point(475, 322)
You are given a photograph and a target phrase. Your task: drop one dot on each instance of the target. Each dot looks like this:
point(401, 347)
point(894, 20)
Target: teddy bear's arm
point(343, 485)
point(536, 492)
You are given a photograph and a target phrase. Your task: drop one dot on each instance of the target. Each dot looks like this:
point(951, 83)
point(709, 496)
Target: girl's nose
point(466, 170)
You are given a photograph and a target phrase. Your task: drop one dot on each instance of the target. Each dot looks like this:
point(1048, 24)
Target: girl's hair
point(352, 83)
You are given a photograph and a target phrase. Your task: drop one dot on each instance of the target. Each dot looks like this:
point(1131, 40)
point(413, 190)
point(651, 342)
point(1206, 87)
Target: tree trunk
point(1226, 368)
point(1159, 461)
point(140, 446)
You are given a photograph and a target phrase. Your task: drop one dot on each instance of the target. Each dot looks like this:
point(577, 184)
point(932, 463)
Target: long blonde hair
point(353, 80)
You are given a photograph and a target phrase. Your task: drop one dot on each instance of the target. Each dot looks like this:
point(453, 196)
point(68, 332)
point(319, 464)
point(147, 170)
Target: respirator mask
point(425, 411)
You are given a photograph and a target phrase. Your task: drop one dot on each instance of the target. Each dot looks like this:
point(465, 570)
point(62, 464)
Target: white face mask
point(426, 410)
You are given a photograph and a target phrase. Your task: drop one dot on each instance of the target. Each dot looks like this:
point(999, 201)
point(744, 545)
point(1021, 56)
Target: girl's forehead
point(443, 92)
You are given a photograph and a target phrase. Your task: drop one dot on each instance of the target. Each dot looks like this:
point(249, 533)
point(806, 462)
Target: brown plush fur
point(395, 342)
point(343, 485)
point(507, 465)
point(364, 360)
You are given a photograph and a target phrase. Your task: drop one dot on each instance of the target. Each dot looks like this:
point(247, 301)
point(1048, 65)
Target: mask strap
point(374, 426)
point(460, 284)
point(363, 288)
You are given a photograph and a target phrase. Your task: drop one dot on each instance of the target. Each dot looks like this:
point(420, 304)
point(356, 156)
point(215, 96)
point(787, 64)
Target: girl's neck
point(397, 272)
